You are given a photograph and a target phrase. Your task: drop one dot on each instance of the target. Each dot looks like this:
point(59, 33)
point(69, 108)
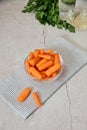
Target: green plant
point(47, 11)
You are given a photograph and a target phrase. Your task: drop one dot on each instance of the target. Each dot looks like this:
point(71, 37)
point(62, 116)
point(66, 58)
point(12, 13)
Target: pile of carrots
point(25, 93)
point(43, 64)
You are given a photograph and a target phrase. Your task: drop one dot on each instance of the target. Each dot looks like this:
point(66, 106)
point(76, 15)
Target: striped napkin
point(10, 86)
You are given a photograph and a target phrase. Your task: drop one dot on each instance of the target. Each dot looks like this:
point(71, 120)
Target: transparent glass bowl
point(50, 79)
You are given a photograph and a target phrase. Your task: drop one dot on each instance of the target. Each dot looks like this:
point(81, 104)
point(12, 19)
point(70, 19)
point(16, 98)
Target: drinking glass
point(75, 12)
point(79, 15)
point(66, 8)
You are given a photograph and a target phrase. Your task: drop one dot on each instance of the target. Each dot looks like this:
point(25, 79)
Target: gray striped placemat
point(10, 87)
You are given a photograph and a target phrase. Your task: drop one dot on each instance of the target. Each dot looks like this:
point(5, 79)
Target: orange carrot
point(31, 55)
point(49, 51)
point(56, 58)
point(36, 52)
point(24, 94)
point(35, 73)
point(36, 99)
point(53, 69)
point(34, 61)
point(45, 56)
point(41, 51)
point(43, 76)
point(47, 78)
point(27, 65)
point(45, 65)
point(54, 74)
point(41, 62)
point(42, 72)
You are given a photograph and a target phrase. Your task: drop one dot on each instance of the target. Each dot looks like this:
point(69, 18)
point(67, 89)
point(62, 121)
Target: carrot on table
point(45, 56)
point(36, 99)
point(34, 61)
point(45, 65)
point(35, 73)
point(24, 94)
point(36, 52)
point(53, 69)
point(42, 61)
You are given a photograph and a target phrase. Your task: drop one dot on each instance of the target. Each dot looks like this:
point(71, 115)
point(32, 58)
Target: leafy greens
point(47, 11)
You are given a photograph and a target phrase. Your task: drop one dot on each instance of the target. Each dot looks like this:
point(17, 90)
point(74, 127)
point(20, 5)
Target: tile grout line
point(69, 100)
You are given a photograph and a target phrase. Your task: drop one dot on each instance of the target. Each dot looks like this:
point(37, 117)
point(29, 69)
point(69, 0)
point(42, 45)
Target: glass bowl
point(79, 19)
point(50, 79)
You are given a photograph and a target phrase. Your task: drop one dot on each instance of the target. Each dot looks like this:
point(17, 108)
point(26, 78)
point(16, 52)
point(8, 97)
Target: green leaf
point(47, 12)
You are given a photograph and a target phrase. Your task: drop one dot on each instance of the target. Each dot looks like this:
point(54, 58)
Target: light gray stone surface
point(67, 108)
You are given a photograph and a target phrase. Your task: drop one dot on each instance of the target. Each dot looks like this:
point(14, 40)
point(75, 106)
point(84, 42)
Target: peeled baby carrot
point(36, 99)
point(54, 74)
point(46, 78)
point(41, 62)
point(42, 72)
point(45, 65)
point(41, 51)
point(53, 69)
point(36, 52)
point(45, 56)
point(35, 73)
point(56, 58)
point(31, 55)
point(34, 61)
point(24, 94)
point(27, 65)
point(49, 51)
point(43, 76)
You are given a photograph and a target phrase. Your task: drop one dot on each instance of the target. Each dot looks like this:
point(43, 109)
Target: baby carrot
point(45, 65)
point(24, 94)
point(42, 72)
point(36, 52)
point(43, 76)
point(56, 58)
point(54, 74)
point(36, 99)
point(45, 56)
point(35, 73)
point(41, 62)
point(53, 69)
point(27, 65)
point(34, 61)
point(46, 78)
point(31, 55)
point(49, 51)
point(41, 51)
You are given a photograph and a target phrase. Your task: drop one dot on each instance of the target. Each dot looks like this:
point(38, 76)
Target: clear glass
point(79, 19)
point(66, 8)
point(50, 79)
point(79, 16)
point(75, 12)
